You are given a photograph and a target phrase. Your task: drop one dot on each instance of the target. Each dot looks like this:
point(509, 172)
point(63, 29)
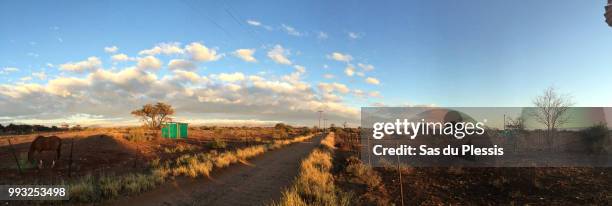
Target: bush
point(136, 134)
point(179, 149)
point(280, 134)
point(110, 186)
point(595, 138)
point(218, 144)
point(83, 190)
point(137, 183)
point(362, 174)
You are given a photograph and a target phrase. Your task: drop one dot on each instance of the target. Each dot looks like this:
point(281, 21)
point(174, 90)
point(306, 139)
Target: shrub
point(136, 134)
point(110, 186)
point(362, 174)
point(291, 198)
point(192, 165)
point(83, 190)
point(225, 159)
point(329, 141)
point(137, 183)
point(595, 137)
point(218, 144)
point(249, 152)
point(178, 149)
point(280, 134)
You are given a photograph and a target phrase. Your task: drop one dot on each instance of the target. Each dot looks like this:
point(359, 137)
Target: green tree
point(153, 116)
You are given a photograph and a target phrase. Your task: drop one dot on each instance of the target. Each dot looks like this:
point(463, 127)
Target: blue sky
point(446, 53)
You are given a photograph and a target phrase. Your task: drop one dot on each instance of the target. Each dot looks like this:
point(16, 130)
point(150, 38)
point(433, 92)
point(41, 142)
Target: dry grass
point(249, 152)
point(362, 174)
point(90, 189)
point(315, 183)
point(329, 141)
point(218, 144)
point(83, 190)
point(136, 134)
point(179, 149)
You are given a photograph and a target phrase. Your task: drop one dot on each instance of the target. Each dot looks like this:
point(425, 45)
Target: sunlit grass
point(91, 189)
point(315, 183)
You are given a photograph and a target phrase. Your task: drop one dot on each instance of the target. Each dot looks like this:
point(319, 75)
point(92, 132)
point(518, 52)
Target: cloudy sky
point(253, 62)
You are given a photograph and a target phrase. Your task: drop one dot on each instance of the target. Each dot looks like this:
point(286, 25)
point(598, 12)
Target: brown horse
point(42, 143)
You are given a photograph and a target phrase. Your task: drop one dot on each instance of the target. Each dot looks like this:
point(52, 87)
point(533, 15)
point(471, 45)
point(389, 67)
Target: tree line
point(16, 129)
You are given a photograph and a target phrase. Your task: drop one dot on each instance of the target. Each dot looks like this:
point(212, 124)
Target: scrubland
point(108, 163)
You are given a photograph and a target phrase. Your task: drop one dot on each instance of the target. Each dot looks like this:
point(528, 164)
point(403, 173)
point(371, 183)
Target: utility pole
point(320, 114)
point(324, 124)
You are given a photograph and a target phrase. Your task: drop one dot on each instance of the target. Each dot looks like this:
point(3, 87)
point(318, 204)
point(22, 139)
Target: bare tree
point(551, 108)
point(153, 116)
point(516, 123)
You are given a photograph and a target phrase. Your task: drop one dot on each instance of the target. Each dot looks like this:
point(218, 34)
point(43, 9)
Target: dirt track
point(257, 182)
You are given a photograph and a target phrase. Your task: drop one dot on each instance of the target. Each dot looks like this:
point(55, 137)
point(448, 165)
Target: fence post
point(399, 171)
point(14, 155)
point(70, 160)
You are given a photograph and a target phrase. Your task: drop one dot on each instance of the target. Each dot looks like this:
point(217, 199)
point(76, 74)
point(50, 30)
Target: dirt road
point(257, 182)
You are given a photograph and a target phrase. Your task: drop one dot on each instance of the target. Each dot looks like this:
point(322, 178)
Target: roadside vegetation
point(315, 182)
point(89, 189)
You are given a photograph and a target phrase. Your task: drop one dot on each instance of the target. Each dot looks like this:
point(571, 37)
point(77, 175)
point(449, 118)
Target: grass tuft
point(315, 183)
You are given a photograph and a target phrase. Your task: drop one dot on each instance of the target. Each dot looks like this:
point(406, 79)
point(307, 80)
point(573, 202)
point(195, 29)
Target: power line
point(227, 9)
point(208, 18)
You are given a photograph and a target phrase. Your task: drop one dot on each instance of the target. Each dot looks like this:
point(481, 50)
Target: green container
point(174, 130)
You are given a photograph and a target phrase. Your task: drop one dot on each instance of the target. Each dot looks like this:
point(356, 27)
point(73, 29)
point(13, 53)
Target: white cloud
point(279, 55)
point(253, 22)
point(322, 35)
point(40, 75)
point(50, 65)
point(259, 24)
point(300, 68)
point(120, 58)
point(291, 31)
point(245, 54)
point(181, 64)
point(366, 67)
point(340, 57)
point(328, 76)
point(190, 76)
point(353, 35)
point(358, 93)
point(91, 64)
point(349, 71)
point(149, 62)
point(111, 49)
point(374, 94)
point(200, 52)
point(361, 74)
point(7, 70)
point(331, 87)
point(170, 48)
point(24, 79)
point(372, 80)
point(107, 95)
point(232, 77)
